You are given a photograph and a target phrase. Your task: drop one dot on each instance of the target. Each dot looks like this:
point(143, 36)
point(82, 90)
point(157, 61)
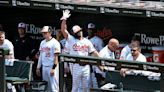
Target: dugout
point(111, 21)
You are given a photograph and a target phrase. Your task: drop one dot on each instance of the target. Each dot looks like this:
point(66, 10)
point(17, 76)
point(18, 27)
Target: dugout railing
point(3, 52)
point(118, 64)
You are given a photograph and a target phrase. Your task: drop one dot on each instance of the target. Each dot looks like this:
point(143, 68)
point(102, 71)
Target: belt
point(82, 64)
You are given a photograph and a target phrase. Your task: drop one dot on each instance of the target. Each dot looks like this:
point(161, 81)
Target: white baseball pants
point(81, 78)
point(53, 81)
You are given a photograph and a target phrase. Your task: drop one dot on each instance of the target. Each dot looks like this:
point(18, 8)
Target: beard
point(76, 36)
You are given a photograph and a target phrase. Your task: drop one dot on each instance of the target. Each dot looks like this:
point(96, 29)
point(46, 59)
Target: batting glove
point(66, 14)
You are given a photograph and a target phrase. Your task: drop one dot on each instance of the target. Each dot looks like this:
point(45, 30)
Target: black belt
point(82, 64)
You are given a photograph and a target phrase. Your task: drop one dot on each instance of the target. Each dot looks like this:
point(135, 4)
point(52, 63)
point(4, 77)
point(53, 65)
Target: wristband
point(63, 18)
point(54, 66)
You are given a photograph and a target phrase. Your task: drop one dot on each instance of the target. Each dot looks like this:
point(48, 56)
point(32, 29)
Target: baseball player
point(48, 59)
point(127, 49)
point(135, 55)
point(98, 44)
point(7, 45)
point(78, 45)
point(96, 41)
point(108, 51)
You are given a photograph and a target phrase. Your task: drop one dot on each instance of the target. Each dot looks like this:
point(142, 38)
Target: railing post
point(61, 76)
point(2, 72)
point(162, 82)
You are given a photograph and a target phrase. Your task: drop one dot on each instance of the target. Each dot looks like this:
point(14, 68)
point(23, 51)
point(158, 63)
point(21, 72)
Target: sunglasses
point(133, 50)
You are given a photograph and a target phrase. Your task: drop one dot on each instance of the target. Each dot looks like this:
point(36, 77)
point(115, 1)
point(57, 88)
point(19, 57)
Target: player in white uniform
point(7, 45)
point(78, 46)
point(135, 55)
point(48, 59)
point(98, 44)
point(108, 52)
point(127, 49)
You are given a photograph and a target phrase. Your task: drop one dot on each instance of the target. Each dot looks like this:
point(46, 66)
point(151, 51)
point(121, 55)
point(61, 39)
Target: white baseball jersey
point(140, 58)
point(107, 53)
point(97, 43)
point(7, 45)
point(80, 47)
point(124, 53)
point(47, 50)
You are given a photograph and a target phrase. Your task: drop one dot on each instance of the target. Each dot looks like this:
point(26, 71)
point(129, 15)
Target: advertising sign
point(5, 2)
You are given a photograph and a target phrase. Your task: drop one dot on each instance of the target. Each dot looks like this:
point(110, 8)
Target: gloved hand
point(66, 14)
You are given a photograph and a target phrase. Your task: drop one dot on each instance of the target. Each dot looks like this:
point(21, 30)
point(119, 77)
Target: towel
point(154, 76)
point(9, 62)
point(108, 86)
point(150, 75)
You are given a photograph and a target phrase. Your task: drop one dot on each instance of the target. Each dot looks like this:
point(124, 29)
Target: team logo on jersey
point(46, 50)
point(83, 48)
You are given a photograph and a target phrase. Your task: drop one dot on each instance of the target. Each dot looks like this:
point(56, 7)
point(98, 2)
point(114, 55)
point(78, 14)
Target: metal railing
point(118, 64)
point(2, 69)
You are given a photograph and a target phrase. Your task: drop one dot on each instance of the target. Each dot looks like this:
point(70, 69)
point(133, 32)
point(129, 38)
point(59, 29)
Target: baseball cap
point(21, 25)
point(45, 29)
point(91, 26)
point(76, 28)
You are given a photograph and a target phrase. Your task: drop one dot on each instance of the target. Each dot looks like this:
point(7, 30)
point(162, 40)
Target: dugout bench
point(130, 83)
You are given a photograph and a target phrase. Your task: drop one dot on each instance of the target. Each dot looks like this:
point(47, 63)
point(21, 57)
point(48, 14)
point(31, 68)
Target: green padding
point(19, 69)
point(16, 80)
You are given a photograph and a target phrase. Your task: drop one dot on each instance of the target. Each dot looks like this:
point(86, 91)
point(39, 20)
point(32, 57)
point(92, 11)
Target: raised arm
point(66, 14)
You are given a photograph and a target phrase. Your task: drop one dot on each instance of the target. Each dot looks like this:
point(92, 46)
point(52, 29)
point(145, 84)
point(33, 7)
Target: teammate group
point(83, 75)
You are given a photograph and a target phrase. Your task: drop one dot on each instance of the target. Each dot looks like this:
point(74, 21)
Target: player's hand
point(38, 72)
point(101, 68)
point(52, 72)
point(66, 15)
point(27, 58)
point(123, 72)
